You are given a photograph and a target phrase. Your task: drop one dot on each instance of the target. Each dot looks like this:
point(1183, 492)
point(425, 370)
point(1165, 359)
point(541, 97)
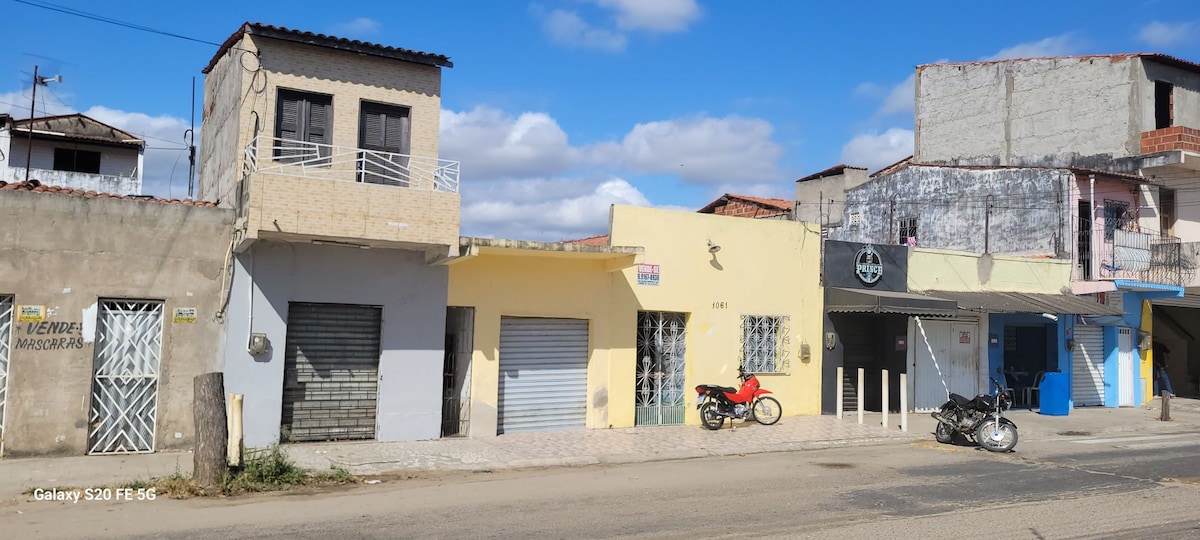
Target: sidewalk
point(604, 446)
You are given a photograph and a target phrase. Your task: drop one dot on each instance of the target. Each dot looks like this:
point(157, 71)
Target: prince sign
point(868, 267)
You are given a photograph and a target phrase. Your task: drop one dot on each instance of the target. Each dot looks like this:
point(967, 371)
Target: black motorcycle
point(981, 418)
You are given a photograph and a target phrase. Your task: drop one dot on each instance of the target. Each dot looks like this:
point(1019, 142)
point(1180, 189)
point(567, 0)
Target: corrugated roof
point(1018, 302)
point(897, 165)
point(777, 204)
point(832, 171)
point(841, 300)
point(77, 126)
point(332, 42)
point(35, 186)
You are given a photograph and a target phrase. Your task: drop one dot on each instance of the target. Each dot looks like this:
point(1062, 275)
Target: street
point(1135, 485)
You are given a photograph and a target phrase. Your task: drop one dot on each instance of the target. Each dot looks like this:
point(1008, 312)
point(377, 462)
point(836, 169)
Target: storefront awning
point(839, 300)
point(1014, 302)
point(1187, 301)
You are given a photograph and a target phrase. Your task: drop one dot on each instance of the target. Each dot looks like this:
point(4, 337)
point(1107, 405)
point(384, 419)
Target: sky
point(557, 109)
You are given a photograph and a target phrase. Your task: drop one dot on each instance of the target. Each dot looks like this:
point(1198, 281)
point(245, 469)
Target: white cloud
point(654, 16)
point(900, 98)
point(567, 28)
point(1052, 46)
point(494, 145)
point(869, 90)
point(1163, 35)
point(359, 27)
point(704, 150)
point(544, 209)
point(875, 150)
point(165, 165)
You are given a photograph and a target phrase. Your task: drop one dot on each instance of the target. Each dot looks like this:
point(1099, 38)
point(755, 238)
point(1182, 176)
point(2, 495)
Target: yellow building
point(618, 333)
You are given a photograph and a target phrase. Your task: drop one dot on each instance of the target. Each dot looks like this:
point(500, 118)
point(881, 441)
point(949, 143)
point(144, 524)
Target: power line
point(94, 17)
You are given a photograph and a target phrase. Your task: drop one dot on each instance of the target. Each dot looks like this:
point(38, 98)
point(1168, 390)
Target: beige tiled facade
point(240, 104)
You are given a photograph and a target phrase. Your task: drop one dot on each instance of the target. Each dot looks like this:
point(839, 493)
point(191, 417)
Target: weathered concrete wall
point(69, 252)
point(1186, 95)
point(950, 205)
point(413, 297)
point(119, 172)
point(1056, 112)
point(813, 196)
point(222, 126)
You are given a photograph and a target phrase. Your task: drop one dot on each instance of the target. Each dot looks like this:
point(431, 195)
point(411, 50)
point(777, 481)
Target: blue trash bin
point(1054, 399)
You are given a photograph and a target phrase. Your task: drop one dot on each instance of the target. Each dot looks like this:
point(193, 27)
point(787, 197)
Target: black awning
point(1015, 302)
point(839, 300)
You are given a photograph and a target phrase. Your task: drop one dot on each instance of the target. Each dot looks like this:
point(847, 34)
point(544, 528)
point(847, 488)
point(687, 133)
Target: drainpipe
point(987, 219)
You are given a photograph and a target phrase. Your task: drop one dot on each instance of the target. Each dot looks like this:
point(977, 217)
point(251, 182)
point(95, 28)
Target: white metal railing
point(301, 159)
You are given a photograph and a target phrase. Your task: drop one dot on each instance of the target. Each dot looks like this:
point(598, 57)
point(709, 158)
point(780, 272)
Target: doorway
point(456, 371)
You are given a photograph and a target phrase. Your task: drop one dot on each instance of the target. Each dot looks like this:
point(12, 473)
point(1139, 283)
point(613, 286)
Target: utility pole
point(33, 103)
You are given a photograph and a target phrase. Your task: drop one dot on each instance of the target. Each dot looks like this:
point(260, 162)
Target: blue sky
point(559, 108)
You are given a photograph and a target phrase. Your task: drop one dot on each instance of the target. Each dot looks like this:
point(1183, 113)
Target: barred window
point(908, 231)
point(765, 342)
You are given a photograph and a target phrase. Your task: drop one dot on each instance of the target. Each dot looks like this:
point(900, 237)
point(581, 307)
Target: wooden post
point(860, 395)
point(841, 383)
point(904, 402)
point(234, 421)
point(1166, 406)
point(212, 437)
point(886, 401)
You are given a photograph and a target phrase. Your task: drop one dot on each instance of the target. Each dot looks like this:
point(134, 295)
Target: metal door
point(543, 375)
point(1087, 371)
point(661, 350)
point(964, 360)
point(6, 324)
point(1125, 366)
point(331, 371)
point(931, 378)
point(128, 353)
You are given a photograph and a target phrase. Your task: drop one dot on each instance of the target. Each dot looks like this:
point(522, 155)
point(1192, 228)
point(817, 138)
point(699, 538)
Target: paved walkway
point(630, 445)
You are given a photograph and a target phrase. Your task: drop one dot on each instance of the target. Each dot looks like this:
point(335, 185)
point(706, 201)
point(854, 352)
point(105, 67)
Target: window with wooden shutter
point(302, 125)
point(384, 140)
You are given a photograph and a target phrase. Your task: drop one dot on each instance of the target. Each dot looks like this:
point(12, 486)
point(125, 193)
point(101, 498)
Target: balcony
point(1130, 253)
point(1171, 138)
point(115, 184)
point(300, 192)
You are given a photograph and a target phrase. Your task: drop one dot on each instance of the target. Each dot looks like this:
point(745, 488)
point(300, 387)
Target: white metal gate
point(1087, 368)
point(543, 374)
point(929, 392)
point(128, 352)
point(964, 359)
point(661, 346)
point(6, 323)
point(1125, 366)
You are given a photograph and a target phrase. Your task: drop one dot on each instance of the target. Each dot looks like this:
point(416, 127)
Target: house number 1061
point(720, 305)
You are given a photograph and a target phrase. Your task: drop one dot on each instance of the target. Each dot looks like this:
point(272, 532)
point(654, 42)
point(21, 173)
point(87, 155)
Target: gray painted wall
point(813, 196)
point(949, 204)
point(69, 251)
point(1057, 111)
point(413, 297)
point(1186, 94)
point(118, 175)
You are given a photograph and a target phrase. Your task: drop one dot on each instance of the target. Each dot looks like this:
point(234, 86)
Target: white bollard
point(860, 395)
point(904, 402)
point(841, 391)
point(886, 401)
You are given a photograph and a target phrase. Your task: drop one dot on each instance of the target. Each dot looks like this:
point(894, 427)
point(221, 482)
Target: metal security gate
point(661, 346)
point(331, 372)
point(1088, 366)
point(928, 387)
point(6, 323)
point(543, 374)
point(1125, 367)
point(124, 409)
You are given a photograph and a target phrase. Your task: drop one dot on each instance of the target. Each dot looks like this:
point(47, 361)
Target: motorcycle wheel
point(943, 433)
point(709, 416)
point(771, 411)
point(1001, 438)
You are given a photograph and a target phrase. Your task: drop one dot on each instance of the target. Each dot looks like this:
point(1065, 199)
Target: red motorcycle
point(716, 403)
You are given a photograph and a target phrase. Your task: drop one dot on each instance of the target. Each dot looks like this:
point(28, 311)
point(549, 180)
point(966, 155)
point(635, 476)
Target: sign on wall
point(31, 313)
point(647, 274)
point(184, 315)
point(964, 337)
point(855, 265)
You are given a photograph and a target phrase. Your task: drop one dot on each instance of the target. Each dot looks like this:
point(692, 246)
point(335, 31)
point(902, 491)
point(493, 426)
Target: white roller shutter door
point(543, 374)
point(1088, 366)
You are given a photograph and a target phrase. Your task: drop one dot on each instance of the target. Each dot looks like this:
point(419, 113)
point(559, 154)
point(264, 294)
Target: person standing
point(1160, 352)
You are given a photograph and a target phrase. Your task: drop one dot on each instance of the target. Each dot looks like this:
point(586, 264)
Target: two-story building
point(71, 151)
point(327, 151)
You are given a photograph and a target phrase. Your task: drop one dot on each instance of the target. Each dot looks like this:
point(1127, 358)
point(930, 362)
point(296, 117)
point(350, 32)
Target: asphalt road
point(1130, 487)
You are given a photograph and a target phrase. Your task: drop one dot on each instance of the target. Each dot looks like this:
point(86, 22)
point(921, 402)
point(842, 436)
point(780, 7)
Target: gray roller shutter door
point(543, 375)
point(331, 374)
point(1088, 366)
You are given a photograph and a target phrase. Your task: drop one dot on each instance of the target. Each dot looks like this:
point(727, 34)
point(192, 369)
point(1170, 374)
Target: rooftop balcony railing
point(1130, 252)
point(301, 159)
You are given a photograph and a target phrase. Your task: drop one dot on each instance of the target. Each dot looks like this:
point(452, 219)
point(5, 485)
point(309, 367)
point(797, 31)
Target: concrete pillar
point(860, 395)
point(884, 407)
point(840, 392)
point(904, 402)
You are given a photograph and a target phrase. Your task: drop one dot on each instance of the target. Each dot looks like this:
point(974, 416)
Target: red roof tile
point(598, 240)
point(35, 186)
point(897, 165)
point(773, 203)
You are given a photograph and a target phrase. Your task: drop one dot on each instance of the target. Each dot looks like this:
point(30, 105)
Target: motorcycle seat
point(959, 400)
point(715, 388)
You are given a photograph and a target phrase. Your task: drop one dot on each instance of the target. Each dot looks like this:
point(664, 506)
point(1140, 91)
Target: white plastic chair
point(1031, 391)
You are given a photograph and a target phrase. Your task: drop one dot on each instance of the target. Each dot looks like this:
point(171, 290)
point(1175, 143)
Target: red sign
point(964, 337)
